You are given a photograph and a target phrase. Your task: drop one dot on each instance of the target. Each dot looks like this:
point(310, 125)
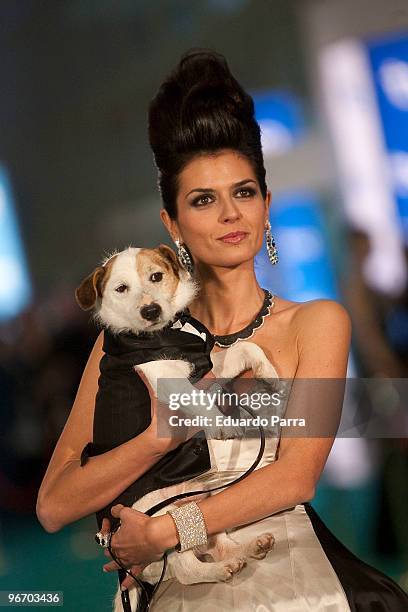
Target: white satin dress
point(295, 575)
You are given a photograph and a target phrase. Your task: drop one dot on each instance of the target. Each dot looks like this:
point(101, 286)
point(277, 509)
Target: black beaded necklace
point(249, 330)
point(242, 334)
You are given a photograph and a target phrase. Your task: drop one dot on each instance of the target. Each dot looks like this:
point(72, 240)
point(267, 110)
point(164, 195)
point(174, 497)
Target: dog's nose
point(150, 311)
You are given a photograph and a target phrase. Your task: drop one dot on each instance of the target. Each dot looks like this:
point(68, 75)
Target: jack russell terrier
point(140, 297)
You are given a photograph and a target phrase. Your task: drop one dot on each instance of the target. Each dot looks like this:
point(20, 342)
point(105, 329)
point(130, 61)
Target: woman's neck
point(225, 307)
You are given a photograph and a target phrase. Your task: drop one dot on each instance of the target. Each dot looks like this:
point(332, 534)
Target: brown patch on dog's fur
point(163, 257)
point(170, 257)
point(93, 285)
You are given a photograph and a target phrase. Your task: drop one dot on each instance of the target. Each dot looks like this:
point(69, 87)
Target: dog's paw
point(259, 548)
point(232, 567)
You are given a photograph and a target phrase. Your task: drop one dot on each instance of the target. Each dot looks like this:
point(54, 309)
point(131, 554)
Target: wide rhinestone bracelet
point(190, 526)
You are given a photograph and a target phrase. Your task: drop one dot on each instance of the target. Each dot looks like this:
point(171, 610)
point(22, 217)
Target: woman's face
point(219, 194)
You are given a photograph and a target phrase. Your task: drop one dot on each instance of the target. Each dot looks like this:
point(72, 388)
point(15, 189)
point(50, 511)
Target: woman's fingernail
point(105, 570)
point(123, 588)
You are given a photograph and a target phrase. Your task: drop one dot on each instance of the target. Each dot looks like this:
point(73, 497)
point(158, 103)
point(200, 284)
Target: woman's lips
point(234, 238)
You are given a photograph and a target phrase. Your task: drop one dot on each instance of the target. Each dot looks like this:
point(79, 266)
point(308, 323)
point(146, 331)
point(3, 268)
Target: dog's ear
point(170, 256)
point(90, 289)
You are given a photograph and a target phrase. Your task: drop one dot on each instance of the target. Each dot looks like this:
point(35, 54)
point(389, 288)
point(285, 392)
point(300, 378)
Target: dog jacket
point(123, 405)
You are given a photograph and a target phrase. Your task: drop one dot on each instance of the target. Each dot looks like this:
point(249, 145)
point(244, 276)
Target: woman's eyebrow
point(209, 190)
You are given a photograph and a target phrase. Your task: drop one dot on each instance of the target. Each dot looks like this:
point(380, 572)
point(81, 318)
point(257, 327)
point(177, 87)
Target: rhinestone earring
point(184, 257)
point(270, 245)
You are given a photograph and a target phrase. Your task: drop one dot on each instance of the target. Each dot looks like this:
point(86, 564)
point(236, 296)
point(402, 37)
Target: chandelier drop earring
point(270, 244)
point(184, 257)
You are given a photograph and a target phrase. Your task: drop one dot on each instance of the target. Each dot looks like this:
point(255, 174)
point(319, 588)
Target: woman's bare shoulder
point(323, 338)
point(312, 312)
point(320, 326)
point(323, 312)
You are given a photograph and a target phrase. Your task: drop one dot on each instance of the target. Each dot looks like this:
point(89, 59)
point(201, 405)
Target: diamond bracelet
point(190, 526)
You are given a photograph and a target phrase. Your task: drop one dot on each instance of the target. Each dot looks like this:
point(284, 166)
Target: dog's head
point(137, 290)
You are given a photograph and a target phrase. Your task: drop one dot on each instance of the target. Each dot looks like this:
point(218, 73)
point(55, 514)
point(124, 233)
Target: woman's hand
point(170, 437)
point(139, 541)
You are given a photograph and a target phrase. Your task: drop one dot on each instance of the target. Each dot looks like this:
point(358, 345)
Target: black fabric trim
point(366, 588)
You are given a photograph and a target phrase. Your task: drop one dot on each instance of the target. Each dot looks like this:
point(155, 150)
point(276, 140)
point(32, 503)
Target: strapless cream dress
point(295, 575)
point(308, 568)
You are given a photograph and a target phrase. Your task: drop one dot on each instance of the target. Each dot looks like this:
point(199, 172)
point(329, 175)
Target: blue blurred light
point(304, 271)
point(15, 287)
point(388, 57)
point(305, 267)
point(281, 120)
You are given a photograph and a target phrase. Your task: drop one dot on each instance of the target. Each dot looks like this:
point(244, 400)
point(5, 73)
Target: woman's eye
point(156, 277)
point(121, 288)
point(246, 192)
point(202, 200)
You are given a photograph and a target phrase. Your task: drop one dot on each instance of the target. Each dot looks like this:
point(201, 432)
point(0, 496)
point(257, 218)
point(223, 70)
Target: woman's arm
point(68, 491)
point(323, 346)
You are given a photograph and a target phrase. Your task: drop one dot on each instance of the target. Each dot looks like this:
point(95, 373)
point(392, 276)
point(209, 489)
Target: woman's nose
point(229, 210)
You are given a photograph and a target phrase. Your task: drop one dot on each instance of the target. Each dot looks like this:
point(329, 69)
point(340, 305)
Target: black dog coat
point(123, 405)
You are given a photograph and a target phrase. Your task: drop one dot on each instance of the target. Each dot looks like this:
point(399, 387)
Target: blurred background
point(77, 180)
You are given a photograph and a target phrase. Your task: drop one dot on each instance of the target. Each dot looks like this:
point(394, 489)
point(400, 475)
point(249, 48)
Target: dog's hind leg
point(220, 546)
point(257, 547)
point(188, 569)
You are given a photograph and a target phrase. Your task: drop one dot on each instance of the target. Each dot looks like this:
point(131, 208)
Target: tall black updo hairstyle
point(201, 108)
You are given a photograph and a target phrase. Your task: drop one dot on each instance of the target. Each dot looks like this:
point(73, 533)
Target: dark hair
point(201, 108)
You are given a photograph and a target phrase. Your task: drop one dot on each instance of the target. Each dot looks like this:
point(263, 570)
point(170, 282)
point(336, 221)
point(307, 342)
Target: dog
point(140, 297)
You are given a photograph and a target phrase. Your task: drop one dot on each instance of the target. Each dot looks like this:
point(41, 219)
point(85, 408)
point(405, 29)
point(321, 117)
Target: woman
point(207, 148)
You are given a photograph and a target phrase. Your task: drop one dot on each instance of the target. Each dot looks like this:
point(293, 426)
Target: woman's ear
point(90, 288)
point(268, 200)
point(170, 224)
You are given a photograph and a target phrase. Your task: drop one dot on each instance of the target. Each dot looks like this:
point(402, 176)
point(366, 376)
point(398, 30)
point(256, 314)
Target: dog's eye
point(156, 277)
point(121, 288)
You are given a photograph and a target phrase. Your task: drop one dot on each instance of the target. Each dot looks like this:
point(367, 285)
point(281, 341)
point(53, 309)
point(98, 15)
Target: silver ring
point(103, 539)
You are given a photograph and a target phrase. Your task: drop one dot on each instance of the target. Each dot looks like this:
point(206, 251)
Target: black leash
point(147, 591)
